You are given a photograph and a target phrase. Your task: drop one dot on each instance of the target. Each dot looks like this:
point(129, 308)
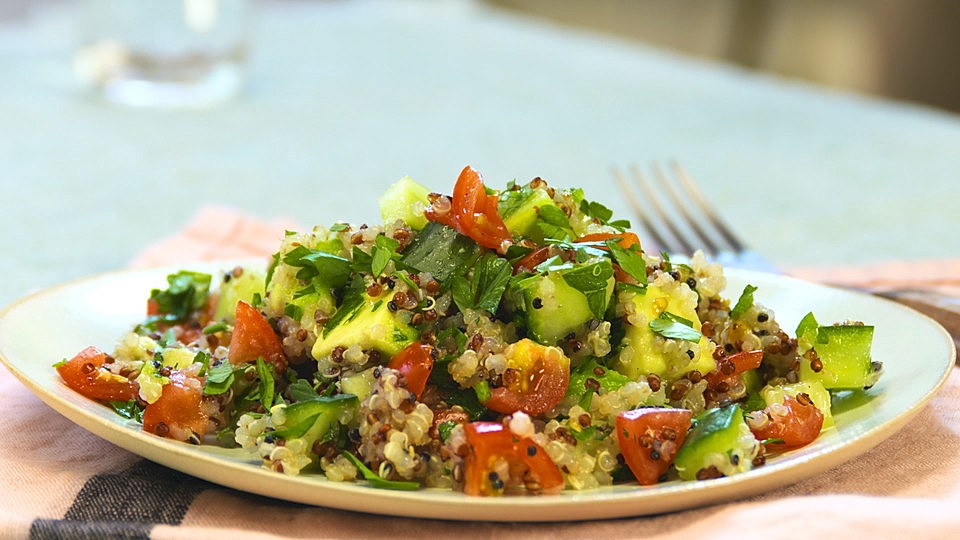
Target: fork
point(678, 218)
point(669, 214)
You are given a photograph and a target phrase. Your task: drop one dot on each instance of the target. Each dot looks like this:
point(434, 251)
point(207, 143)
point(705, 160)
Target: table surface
point(344, 98)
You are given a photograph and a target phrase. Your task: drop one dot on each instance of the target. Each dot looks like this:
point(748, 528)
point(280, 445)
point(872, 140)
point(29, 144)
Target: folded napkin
point(59, 481)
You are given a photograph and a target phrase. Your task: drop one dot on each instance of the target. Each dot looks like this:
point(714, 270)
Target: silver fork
point(675, 214)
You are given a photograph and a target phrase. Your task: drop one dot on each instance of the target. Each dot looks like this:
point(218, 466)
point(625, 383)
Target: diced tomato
point(627, 239)
point(253, 338)
point(797, 423)
point(535, 380)
point(527, 463)
point(531, 260)
point(85, 374)
point(734, 365)
point(649, 440)
point(153, 307)
point(414, 362)
point(178, 410)
point(473, 213)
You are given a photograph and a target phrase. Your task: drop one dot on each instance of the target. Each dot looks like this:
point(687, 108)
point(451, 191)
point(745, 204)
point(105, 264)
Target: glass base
point(223, 82)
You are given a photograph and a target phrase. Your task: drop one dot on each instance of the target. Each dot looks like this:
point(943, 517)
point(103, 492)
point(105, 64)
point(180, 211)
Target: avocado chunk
point(842, 354)
point(563, 300)
point(641, 356)
point(405, 200)
point(368, 322)
point(239, 284)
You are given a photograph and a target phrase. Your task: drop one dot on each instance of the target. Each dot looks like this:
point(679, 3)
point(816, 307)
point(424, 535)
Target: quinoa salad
point(490, 342)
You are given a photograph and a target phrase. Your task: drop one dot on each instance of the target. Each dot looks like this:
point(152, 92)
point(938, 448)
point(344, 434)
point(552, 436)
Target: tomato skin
point(627, 239)
point(177, 409)
point(535, 381)
point(650, 438)
point(531, 260)
point(473, 213)
point(253, 338)
point(529, 464)
point(414, 362)
point(800, 425)
point(736, 364)
point(85, 374)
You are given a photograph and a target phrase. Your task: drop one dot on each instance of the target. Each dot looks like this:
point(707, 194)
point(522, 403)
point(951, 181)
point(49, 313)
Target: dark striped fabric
point(124, 504)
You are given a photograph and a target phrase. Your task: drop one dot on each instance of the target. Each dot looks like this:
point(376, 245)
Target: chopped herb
point(265, 372)
point(744, 303)
point(482, 389)
point(131, 410)
point(318, 268)
point(339, 227)
point(203, 359)
point(630, 261)
point(673, 326)
point(353, 301)
point(592, 280)
point(484, 288)
point(384, 250)
point(213, 328)
point(444, 429)
point(554, 223)
point(186, 293)
point(302, 390)
point(274, 261)
point(602, 214)
point(376, 480)
point(220, 378)
point(293, 311)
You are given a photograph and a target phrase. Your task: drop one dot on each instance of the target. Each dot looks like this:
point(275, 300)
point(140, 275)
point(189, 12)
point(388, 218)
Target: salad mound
point(492, 342)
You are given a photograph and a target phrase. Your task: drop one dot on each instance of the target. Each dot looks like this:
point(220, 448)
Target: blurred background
point(898, 49)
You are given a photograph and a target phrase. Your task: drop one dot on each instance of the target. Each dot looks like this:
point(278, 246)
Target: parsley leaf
point(629, 260)
point(219, 379)
point(673, 326)
point(602, 214)
point(318, 267)
point(485, 287)
point(131, 410)
point(186, 293)
point(302, 390)
point(267, 383)
point(592, 280)
point(744, 303)
point(384, 250)
point(554, 223)
point(378, 481)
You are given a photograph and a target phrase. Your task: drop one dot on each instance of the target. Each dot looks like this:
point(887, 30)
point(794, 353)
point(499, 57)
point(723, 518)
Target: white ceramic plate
point(57, 323)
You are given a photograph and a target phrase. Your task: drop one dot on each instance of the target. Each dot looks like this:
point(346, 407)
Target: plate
point(56, 323)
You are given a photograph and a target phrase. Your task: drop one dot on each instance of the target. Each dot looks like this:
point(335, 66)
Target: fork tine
point(639, 210)
point(734, 244)
point(681, 244)
point(702, 239)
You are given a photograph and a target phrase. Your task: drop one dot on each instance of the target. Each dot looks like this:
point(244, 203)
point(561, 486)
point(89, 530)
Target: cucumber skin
point(844, 352)
point(713, 431)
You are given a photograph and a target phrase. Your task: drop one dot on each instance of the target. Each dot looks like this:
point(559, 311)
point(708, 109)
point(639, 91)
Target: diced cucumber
point(842, 354)
point(405, 200)
point(234, 289)
point(818, 394)
point(439, 250)
point(370, 324)
point(520, 210)
point(561, 301)
point(718, 439)
point(641, 357)
point(313, 418)
point(359, 384)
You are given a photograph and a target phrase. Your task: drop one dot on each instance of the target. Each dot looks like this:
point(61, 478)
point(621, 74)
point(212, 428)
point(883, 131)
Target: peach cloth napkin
point(66, 482)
